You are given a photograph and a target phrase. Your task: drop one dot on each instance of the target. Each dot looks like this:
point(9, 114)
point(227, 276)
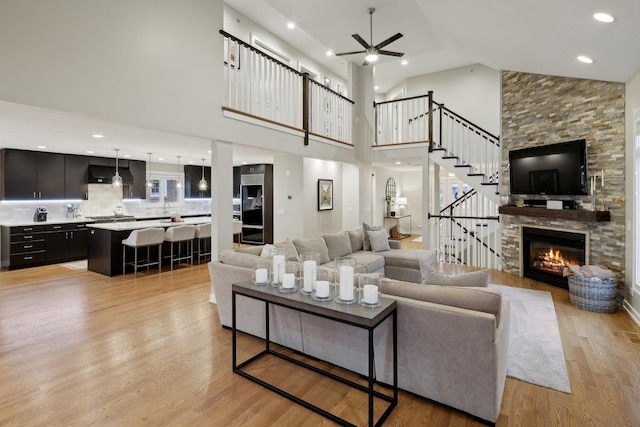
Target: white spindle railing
point(468, 232)
point(261, 86)
point(329, 113)
point(402, 121)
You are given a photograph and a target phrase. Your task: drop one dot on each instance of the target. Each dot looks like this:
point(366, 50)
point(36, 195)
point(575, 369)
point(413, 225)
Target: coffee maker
point(40, 215)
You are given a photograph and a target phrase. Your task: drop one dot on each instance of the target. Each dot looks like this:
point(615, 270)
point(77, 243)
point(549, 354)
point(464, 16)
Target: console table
point(352, 314)
point(396, 221)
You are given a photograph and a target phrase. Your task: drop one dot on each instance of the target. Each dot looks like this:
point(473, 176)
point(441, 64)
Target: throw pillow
point(267, 251)
point(379, 240)
point(366, 243)
point(356, 237)
point(292, 252)
point(338, 244)
point(313, 245)
point(478, 279)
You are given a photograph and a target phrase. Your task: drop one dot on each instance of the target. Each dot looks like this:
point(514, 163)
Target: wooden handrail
point(462, 119)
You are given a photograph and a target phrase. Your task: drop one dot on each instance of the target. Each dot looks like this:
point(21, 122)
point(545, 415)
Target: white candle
point(370, 294)
point(322, 288)
point(346, 282)
point(309, 271)
point(288, 280)
point(278, 268)
point(593, 184)
point(262, 275)
point(602, 183)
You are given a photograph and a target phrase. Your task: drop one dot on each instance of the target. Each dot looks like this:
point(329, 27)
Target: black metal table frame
point(237, 368)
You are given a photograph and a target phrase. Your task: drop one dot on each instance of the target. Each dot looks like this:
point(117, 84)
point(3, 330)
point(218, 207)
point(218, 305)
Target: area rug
point(77, 265)
point(535, 348)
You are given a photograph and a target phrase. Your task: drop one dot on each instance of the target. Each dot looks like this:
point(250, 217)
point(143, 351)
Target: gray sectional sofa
point(452, 341)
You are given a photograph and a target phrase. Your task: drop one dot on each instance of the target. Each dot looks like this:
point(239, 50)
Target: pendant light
point(179, 184)
point(116, 181)
point(149, 181)
point(203, 185)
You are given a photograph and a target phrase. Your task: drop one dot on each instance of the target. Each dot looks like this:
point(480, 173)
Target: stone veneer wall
point(539, 110)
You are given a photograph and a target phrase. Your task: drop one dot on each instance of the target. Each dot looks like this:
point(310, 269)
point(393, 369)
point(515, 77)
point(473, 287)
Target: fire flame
point(552, 261)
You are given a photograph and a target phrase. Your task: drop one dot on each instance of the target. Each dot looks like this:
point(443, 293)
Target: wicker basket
point(594, 294)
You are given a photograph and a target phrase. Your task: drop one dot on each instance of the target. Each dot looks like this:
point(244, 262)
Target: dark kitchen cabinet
point(138, 189)
point(64, 242)
point(192, 177)
point(236, 181)
point(76, 177)
point(31, 175)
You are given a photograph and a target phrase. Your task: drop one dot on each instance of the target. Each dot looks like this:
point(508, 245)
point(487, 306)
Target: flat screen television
point(553, 169)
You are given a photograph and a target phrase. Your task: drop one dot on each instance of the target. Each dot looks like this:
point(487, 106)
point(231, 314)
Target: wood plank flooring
point(78, 348)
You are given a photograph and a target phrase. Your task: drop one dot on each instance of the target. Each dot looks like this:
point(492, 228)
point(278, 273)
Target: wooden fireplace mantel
point(567, 214)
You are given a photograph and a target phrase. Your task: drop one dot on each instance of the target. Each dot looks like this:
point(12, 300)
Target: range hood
point(104, 174)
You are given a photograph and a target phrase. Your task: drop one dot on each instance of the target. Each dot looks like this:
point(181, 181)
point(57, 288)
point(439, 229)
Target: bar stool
point(237, 230)
point(180, 234)
point(146, 237)
point(203, 233)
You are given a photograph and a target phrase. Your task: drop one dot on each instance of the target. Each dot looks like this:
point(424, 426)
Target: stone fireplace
point(547, 253)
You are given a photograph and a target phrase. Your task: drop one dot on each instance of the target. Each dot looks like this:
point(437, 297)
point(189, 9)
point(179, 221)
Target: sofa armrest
point(395, 244)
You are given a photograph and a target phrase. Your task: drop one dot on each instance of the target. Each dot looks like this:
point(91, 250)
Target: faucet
point(165, 207)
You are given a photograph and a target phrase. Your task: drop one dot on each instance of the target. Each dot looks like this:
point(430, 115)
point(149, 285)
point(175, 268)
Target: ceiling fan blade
point(361, 40)
point(350, 53)
point(387, 41)
point(390, 53)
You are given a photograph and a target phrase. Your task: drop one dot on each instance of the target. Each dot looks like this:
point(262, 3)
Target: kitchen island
point(105, 241)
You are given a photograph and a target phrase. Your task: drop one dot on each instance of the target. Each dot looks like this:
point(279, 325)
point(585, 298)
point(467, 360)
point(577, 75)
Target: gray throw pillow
point(313, 245)
point(338, 244)
point(379, 240)
point(356, 237)
point(292, 252)
point(366, 243)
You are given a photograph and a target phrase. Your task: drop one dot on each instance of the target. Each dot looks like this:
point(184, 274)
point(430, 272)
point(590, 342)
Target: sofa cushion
point(338, 244)
point(356, 237)
point(410, 258)
point(486, 300)
point(475, 279)
point(368, 262)
point(313, 245)
point(240, 259)
point(379, 240)
point(255, 250)
point(366, 244)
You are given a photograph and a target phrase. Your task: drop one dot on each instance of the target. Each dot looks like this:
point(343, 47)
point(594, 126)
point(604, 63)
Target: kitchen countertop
point(26, 223)
point(136, 225)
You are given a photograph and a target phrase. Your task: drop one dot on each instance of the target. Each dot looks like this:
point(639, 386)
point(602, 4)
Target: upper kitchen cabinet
point(76, 182)
point(31, 175)
point(137, 190)
point(192, 177)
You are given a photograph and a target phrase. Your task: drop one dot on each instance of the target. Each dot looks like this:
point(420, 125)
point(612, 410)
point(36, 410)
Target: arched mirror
point(390, 191)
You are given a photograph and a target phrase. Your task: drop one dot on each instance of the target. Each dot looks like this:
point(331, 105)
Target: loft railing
point(263, 87)
point(469, 232)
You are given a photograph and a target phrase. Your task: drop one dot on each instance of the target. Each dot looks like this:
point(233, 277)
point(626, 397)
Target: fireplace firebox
point(547, 254)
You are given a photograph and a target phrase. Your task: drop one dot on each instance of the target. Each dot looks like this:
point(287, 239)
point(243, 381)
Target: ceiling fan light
point(371, 57)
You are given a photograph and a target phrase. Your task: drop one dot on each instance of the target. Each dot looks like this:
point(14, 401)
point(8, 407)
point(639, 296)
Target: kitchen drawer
point(18, 238)
point(24, 247)
point(27, 229)
point(27, 259)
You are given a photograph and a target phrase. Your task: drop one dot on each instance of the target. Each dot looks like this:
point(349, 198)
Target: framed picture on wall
point(327, 82)
point(325, 194)
point(231, 53)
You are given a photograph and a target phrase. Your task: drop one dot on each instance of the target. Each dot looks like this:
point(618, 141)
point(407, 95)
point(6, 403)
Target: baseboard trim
point(212, 298)
point(635, 316)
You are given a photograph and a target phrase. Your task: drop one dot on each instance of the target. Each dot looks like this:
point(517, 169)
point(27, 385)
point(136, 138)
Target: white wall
point(632, 102)
point(472, 92)
point(317, 223)
point(150, 63)
point(288, 197)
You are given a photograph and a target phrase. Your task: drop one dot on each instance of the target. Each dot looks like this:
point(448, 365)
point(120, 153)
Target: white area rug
point(417, 239)
point(78, 265)
point(535, 348)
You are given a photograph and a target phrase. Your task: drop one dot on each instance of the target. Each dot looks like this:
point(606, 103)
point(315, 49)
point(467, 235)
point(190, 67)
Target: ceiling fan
point(371, 50)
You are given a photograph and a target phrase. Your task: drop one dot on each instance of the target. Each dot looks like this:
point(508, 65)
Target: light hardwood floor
point(78, 348)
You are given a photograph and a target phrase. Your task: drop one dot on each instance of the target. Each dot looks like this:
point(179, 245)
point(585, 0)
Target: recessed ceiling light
point(97, 135)
point(603, 17)
point(160, 158)
point(398, 163)
point(90, 151)
point(244, 163)
point(209, 151)
point(42, 147)
point(190, 162)
point(291, 25)
point(329, 53)
point(404, 62)
point(376, 87)
point(585, 59)
point(127, 155)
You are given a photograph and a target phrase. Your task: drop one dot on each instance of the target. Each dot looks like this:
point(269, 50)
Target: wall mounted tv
point(554, 169)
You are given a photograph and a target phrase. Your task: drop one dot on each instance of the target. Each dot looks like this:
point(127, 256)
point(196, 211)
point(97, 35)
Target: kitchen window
point(165, 188)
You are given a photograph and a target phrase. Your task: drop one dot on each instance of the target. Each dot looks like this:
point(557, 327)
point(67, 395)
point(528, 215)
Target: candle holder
point(310, 262)
point(344, 275)
point(290, 278)
point(278, 259)
point(260, 276)
point(324, 289)
point(368, 292)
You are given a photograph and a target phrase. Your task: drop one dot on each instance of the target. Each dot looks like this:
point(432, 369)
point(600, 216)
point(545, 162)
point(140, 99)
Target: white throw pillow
point(379, 240)
point(267, 251)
